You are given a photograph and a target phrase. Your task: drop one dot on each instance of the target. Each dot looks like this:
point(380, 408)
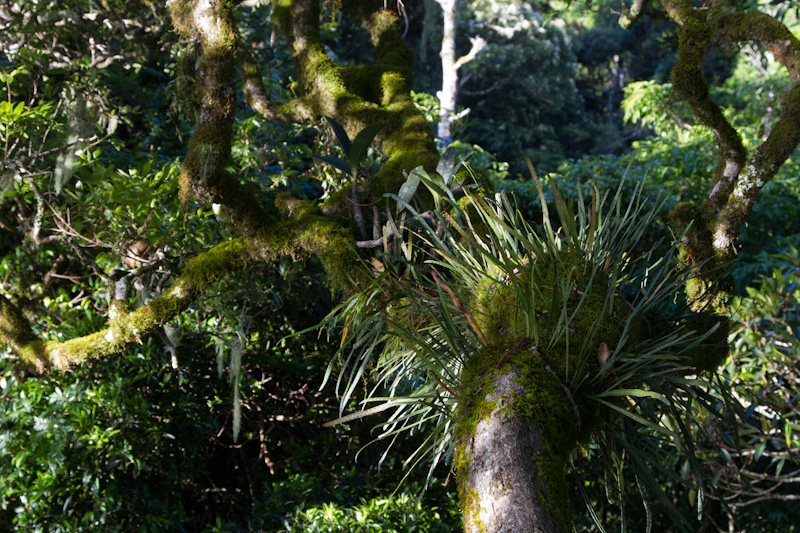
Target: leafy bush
point(402, 513)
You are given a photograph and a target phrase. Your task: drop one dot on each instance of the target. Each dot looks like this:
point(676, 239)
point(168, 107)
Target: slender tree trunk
point(447, 96)
point(450, 65)
point(510, 472)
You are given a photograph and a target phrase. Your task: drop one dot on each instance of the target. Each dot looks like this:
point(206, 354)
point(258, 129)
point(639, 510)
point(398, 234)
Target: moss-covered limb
point(687, 78)
point(201, 272)
point(254, 92)
point(298, 21)
point(204, 173)
point(734, 28)
point(761, 167)
point(256, 95)
point(407, 139)
point(210, 25)
point(306, 231)
point(16, 333)
point(762, 29)
point(364, 95)
point(716, 226)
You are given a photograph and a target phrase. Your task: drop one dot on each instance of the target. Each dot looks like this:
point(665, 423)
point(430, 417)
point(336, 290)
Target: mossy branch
point(256, 95)
point(294, 229)
point(737, 178)
point(306, 231)
point(16, 333)
point(204, 173)
point(689, 82)
point(363, 95)
point(201, 272)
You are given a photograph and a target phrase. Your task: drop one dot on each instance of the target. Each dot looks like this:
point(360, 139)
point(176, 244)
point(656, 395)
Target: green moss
point(76, 351)
point(16, 332)
point(200, 272)
point(307, 232)
point(473, 408)
point(360, 81)
point(543, 404)
point(467, 495)
point(369, 94)
point(494, 307)
point(546, 406)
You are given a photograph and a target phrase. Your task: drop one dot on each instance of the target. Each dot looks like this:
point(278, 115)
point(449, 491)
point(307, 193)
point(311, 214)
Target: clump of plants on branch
point(470, 288)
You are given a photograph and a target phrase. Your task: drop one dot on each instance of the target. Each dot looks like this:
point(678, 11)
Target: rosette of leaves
point(476, 287)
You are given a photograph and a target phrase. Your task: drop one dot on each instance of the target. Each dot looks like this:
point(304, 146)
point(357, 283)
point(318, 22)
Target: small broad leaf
point(336, 162)
point(409, 188)
point(361, 143)
point(341, 135)
point(759, 450)
point(447, 165)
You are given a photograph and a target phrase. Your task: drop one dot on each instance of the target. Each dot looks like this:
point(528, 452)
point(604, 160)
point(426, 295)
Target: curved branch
point(256, 95)
point(737, 180)
point(201, 272)
point(688, 80)
point(204, 174)
point(765, 161)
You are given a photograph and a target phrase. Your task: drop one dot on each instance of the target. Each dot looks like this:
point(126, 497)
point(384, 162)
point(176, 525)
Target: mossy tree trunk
point(510, 467)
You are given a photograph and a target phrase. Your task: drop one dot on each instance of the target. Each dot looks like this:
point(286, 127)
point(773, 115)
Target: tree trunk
point(510, 472)
point(447, 96)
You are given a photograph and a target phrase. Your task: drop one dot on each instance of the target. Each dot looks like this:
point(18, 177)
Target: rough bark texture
point(504, 481)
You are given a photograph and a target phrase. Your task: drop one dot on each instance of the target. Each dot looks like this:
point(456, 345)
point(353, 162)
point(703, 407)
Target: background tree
point(450, 68)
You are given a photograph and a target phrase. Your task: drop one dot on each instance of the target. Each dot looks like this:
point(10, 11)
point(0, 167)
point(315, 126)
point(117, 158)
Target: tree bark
point(511, 479)
point(447, 96)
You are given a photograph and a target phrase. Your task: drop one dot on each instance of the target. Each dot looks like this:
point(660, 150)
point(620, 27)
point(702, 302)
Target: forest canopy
point(424, 265)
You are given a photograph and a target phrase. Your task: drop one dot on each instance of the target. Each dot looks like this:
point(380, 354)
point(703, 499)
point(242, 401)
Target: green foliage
point(759, 455)
point(101, 449)
point(134, 444)
point(355, 151)
point(655, 106)
point(399, 513)
point(521, 90)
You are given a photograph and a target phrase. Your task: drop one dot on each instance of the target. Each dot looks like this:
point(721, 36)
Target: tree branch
point(256, 95)
point(200, 273)
point(715, 228)
point(363, 95)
